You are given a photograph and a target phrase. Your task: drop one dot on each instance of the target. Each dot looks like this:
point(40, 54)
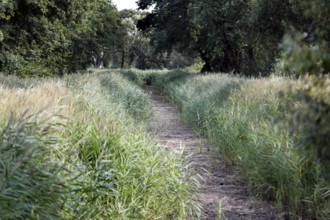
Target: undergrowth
point(76, 148)
point(249, 121)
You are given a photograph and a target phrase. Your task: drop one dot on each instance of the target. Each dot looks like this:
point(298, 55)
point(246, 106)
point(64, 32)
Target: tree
point(96, 45)
point(307, 47)
point(168, 26)
point(130, 40)
point(307, 52)
point(55, 37)
point(210, 28)
point(217, 29)
point(240, 36)
point(37, 34)
point(134, 48)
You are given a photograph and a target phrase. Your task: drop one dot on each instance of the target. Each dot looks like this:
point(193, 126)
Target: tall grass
point(93, 160)
point(247, 121)
point(29, 176)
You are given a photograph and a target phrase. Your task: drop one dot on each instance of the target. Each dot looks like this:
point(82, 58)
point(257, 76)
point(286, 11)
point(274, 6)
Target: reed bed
point(76, 148)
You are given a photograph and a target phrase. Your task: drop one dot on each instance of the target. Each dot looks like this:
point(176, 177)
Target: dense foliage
point(242, 36)
point(274, 130)
point(246, 36)
point(54, 37)
point(81, 152)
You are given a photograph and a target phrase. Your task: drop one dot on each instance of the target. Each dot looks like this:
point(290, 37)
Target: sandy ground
point(220, 185)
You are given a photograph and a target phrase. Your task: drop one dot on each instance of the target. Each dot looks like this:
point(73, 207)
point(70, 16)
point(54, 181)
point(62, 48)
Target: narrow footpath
point(221, 186)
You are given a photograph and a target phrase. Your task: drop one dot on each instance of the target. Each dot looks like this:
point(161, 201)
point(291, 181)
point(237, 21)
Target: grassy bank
point(250, 122)
point(76, 148)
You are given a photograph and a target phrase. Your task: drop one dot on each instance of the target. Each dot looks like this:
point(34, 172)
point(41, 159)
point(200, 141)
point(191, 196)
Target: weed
point(92, 161)
point(246, 120)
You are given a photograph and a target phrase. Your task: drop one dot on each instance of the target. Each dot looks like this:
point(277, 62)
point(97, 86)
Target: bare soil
point(220, 185)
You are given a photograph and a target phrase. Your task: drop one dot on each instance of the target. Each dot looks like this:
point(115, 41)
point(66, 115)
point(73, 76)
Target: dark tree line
point(243, 35)
point(46, 37)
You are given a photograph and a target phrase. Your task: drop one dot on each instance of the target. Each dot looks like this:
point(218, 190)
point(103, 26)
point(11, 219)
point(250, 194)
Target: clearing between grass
point(222, 194)
point(274, 131)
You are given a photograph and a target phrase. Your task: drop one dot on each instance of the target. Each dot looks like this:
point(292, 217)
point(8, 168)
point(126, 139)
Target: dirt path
point(221, 184)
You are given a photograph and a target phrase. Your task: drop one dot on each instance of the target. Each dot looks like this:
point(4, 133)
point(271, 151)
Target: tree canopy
point(46, 37)
point(241, 36)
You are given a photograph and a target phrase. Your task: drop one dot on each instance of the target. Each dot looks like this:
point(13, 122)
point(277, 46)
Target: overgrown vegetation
point(75, 148)
point(268, 128)
point(248, 37)
point(243, 36)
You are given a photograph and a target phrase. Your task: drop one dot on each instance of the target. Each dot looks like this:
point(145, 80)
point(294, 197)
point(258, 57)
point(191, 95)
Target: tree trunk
point(231, 55)
point(207, 66)
point(99, 60)
point(106, 63)
point(122, 60)
point(251, 61)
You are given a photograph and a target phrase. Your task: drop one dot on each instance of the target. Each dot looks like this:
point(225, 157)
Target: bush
point(311, 122)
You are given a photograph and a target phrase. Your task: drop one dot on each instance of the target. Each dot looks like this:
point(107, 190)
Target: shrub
point(310, 122)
